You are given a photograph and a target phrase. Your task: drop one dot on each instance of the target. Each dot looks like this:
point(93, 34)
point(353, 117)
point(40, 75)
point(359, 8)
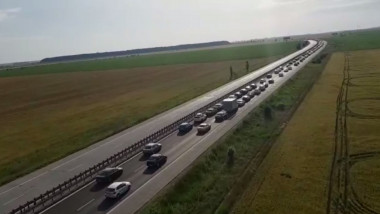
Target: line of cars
point(221, 111)
point(110, 174)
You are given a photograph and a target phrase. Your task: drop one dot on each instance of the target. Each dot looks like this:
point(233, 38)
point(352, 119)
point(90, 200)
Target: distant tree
point(247, 66)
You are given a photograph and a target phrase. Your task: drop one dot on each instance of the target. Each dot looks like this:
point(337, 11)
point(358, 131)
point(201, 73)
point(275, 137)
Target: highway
point(181, 151)
point(91, 199)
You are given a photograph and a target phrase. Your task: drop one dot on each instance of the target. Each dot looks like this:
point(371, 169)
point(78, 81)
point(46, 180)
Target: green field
point(352, 41)
point(50, 116)
point(199, 56)
point(212, 185)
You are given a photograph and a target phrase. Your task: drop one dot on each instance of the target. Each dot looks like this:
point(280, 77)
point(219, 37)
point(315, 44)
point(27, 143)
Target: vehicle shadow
point(107, 203)
point(98, 186)
point(144, 157)
point(150, 170)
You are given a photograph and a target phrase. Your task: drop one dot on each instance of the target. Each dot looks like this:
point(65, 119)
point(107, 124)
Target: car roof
point(150, 144)
point(156, 155)
point(184, 124)
point(108, 169)
point(115, 184)
point(203, 124)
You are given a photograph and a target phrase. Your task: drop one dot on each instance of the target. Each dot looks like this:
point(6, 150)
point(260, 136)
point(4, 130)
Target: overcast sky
point(34, 29)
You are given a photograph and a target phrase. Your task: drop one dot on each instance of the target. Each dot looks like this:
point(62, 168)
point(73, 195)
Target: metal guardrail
point(66, 188)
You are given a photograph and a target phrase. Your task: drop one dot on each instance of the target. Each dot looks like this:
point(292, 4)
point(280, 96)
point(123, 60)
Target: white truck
point(230, 105)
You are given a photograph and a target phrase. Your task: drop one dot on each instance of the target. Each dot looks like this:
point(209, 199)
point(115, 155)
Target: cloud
point(6, 13)
point(343, 4)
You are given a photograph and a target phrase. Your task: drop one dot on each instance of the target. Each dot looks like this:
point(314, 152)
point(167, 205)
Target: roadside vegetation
point(46, 117)
point(215, 182)
point(198, 56)
point(293, 177)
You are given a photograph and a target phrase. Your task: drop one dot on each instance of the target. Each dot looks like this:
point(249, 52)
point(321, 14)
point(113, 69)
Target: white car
point(117, 189)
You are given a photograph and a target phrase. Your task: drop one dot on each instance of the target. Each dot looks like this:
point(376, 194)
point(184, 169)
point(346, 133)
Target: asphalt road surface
point(91, 198)
point(181, 152)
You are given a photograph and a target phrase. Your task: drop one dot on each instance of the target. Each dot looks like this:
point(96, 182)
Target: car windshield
point(110, 190)
point(105, 172)
point(148, 147)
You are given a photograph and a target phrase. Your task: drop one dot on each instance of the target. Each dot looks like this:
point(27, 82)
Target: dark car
point(218, 106)
point(266, 85)
point(238, 94)
point(156, 161)
point(107, 175)
point(203, 128)
point(254, 86)
point(262, 81)
point(277, 71)
point(210, 112)
point(240, 102)
point(280, 74)
point(151, 148)
point(262, 87)
point(269, 76)
point(271, 81)
point(243, 91)
point(286, 69)
point(221, 116)
point(296, 64)
point(185, 127)
point(290, 68)
point(252, 94)
point(200, 117)
point(258, 92)
point(246, 98)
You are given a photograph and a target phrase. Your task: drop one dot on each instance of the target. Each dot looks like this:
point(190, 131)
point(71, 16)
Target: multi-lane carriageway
point(181, 152)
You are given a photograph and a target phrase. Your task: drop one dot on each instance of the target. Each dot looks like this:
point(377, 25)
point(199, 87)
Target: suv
point(246, 98)
point(218, 106)
point(108, 174)
point(210, 112)
point(203, 128)
point(151, 148)
point(185, 127)
point(156, 161)
point(200, 117)
point(116, 189)
point(221, 116)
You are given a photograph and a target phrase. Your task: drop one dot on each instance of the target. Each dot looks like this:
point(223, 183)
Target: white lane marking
point(138, 169)
point(189, 150)
point(93, 181)
point(23, 183)
point(83, 206)
point(72, 169)
point(10, 201)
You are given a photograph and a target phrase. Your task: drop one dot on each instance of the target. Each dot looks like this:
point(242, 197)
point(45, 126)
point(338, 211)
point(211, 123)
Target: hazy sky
point(34, 29)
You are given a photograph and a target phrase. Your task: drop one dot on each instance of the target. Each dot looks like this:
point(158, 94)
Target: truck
point(230, 105)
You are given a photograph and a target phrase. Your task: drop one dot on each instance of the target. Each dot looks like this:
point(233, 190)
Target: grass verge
point(206, 186)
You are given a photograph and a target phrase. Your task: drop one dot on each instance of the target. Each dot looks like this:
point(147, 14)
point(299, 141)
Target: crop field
point(212, 185)
point(46, 117)
point(356, 40)
point(327, 160)
point(198, 56)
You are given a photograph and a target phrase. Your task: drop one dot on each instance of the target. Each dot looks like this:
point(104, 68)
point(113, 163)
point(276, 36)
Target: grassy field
point(46, 117)
point(295, 177)
point(199, 56)
point(294, 174)
point(207, 187)
point(363, 127)
point(359, 40)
